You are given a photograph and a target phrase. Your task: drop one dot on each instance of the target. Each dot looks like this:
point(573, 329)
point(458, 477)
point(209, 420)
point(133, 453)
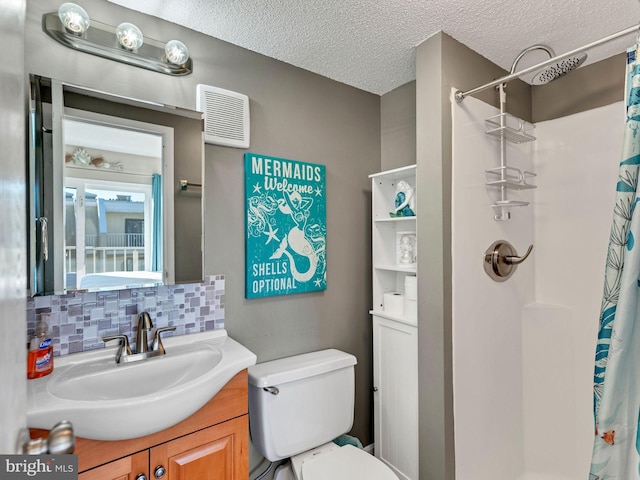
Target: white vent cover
point(226, 116)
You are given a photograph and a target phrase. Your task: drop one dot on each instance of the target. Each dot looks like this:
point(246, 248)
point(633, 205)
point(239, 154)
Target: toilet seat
point(343, 463)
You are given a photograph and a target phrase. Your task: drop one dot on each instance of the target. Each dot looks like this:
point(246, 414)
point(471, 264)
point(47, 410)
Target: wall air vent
point(226, 116)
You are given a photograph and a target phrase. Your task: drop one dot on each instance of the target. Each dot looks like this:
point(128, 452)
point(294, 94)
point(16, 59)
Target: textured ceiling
point(370, 44)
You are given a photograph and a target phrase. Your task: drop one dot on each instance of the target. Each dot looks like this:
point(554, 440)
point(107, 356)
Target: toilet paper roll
point(393, 303)
point(410, 309)
point(411, 287)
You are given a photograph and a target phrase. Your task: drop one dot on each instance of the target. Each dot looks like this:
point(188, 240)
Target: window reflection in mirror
point(113, 205)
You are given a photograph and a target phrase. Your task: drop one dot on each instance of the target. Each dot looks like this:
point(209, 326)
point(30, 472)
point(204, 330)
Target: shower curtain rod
point(460, 95)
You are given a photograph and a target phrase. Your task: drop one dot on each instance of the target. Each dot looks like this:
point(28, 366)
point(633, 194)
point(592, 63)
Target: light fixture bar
point(100, 39)
point(460, 95)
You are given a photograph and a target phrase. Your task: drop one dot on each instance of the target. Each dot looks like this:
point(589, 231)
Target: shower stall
point(523, 349)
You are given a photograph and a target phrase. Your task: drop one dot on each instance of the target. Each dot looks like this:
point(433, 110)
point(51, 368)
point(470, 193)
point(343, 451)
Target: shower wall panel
point(577, 159)
point(487, 335)
point(523, 349)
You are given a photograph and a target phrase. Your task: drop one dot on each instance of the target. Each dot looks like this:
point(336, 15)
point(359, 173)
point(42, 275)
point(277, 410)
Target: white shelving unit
point(388, 273)
point(395, 339)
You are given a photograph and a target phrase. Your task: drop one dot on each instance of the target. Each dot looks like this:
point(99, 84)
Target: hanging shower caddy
point(508, 128)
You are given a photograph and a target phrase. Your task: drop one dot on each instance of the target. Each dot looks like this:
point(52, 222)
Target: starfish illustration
point(257, 188)
point(271, 234)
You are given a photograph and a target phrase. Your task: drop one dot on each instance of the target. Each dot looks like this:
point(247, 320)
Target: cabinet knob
point(375, 389)
point(159, 472)
point(141, 476)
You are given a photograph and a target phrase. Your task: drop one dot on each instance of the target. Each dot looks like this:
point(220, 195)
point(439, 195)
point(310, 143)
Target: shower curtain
point(616, 449)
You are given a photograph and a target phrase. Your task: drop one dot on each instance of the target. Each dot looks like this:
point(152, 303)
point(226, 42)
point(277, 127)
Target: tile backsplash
point(78, 321)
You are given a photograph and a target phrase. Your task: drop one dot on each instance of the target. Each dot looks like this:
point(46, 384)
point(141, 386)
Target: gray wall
point(591, 86)
point(398, 127)
point(294, 114)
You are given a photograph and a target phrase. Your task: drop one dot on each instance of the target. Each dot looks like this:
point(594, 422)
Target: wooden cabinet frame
point(223, 421)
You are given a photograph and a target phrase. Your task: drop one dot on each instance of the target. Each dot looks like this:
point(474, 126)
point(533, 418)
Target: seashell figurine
point(81, 157)
point(405, 201)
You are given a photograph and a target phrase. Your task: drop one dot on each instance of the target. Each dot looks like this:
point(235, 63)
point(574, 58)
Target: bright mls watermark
point(39, 467)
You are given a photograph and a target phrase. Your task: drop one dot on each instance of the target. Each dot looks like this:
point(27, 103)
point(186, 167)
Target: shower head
point(554, 71)
point(560, 69)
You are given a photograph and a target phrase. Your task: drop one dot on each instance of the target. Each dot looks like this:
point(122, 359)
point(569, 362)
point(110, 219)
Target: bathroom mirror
point(106, 209)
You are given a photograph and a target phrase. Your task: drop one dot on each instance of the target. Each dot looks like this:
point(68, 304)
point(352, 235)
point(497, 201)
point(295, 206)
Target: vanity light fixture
point(176, 52)
point(129, 36)
point(74, 18)
point(71, 27)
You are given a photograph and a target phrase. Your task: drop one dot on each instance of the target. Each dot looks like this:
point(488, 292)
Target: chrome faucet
point(143, 349)
point(144, 326)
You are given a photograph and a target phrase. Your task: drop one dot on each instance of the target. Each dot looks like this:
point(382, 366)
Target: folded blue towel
point(343, 440)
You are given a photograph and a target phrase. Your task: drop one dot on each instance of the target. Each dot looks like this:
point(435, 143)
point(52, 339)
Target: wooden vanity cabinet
point(210, 454)
point(212, 444)
point(127, 468)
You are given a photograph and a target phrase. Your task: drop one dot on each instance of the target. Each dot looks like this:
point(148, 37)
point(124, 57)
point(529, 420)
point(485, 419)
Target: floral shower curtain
point(616, 450)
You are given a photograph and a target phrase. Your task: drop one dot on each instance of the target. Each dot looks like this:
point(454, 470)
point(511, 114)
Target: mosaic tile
point(42, 302)
point(78, 321)
point(90, 333)
point(89, 297)
point(72, 299)
point(97, 313)
point(111, 306)
point(149, 302)
point(66, 330)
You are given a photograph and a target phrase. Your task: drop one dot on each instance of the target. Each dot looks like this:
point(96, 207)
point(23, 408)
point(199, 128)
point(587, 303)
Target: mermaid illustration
point(297, 207)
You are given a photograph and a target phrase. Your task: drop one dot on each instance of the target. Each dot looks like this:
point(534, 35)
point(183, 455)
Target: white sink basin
point(100, 380)
point(109, 401)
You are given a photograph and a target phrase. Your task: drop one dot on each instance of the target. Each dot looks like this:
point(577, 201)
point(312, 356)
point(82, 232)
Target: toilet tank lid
point(290, 369)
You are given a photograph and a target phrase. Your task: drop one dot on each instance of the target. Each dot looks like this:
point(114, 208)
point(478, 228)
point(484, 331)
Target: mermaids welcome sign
point(286, 226)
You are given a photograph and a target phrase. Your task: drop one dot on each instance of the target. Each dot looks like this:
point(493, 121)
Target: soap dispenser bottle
point(40, 356)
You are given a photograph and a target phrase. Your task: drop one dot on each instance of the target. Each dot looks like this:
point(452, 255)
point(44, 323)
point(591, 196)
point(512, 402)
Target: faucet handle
point(156, 343)
point(123, 345)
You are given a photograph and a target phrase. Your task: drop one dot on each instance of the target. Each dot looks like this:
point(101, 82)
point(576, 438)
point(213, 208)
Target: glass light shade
point(74, 18)
point(176, 52)
point(129, 36)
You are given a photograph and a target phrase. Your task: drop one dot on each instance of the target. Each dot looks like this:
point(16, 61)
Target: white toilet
point(297, 406)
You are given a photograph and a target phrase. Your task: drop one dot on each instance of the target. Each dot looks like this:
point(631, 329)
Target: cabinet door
point(127, 468)
point(215, 453)
point(395, 380)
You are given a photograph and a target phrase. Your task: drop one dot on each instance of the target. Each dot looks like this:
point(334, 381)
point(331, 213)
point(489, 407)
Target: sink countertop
point(109, 401)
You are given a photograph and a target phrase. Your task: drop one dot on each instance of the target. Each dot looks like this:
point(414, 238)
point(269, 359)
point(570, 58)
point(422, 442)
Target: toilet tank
point(300, 402)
